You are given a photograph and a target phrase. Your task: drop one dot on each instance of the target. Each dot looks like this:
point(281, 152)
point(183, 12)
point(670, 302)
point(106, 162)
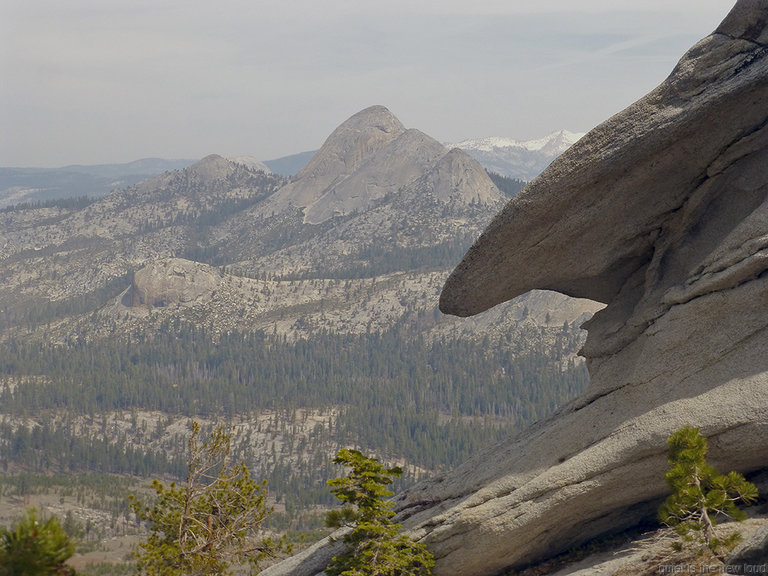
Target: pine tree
point(700, 494)
point(35, 548)
point(374, 545)
point(209, 523)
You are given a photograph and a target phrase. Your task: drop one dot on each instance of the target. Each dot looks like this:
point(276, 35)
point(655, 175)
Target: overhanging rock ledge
point(661, 213)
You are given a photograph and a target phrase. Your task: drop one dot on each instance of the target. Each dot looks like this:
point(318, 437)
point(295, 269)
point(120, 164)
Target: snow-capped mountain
point(515, 158)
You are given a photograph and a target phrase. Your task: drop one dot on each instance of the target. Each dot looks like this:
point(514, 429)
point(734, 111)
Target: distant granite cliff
point(368, 157)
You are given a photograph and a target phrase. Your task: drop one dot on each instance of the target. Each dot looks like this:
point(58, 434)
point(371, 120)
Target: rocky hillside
point(376, 202)
point(660, 213)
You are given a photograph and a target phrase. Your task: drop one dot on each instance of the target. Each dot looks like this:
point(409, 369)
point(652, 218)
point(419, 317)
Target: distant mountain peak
point(372, 155)
point(523, 159)
point(377, 116)
point(214, 174)
point(251, 163)
point(556, 140)
point(214, 166)
point(457, 176)
point(211, 165)
point(352, 142)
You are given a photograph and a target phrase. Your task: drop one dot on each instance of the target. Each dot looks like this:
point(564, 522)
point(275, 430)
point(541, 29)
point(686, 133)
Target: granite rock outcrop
point(372, 155)
point(661, 213)
point(751, 555)
point(172, 281)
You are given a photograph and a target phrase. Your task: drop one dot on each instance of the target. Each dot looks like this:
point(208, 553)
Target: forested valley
point(430, 404)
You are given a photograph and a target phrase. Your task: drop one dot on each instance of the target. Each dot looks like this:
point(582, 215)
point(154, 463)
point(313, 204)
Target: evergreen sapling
point(374, 545)
point(700, 494)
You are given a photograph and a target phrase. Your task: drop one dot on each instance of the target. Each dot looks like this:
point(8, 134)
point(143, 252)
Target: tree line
point(432, 403)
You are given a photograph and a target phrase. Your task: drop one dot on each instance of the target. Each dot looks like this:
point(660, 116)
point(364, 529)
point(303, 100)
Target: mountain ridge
point(19, 184)
point(366, 158)
point(522, 159)
point(558, 140)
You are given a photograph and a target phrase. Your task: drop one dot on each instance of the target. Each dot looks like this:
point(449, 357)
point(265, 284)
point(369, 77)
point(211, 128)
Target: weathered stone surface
point(607, 197)
point(311, 561)
point(661, 213)
point(750, 554)
point(342, 154)
point(172, 281)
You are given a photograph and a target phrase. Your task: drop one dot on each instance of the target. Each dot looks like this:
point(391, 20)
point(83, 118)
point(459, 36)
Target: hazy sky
point(97, 81)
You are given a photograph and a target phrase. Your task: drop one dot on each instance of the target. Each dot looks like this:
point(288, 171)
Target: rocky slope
point(664, 205)
point(377, 200)
point(660, 213)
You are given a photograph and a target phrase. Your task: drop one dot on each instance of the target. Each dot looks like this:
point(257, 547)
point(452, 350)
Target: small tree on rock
point(210, 522)
point(700, 493)
point(374, 545)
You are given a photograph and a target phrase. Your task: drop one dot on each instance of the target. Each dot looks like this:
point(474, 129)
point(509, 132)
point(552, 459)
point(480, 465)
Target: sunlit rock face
point(661, 213)
point(172, 281)
point(372, 155)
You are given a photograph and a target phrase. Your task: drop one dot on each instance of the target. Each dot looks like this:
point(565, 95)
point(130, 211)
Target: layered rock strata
point(661, 213)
